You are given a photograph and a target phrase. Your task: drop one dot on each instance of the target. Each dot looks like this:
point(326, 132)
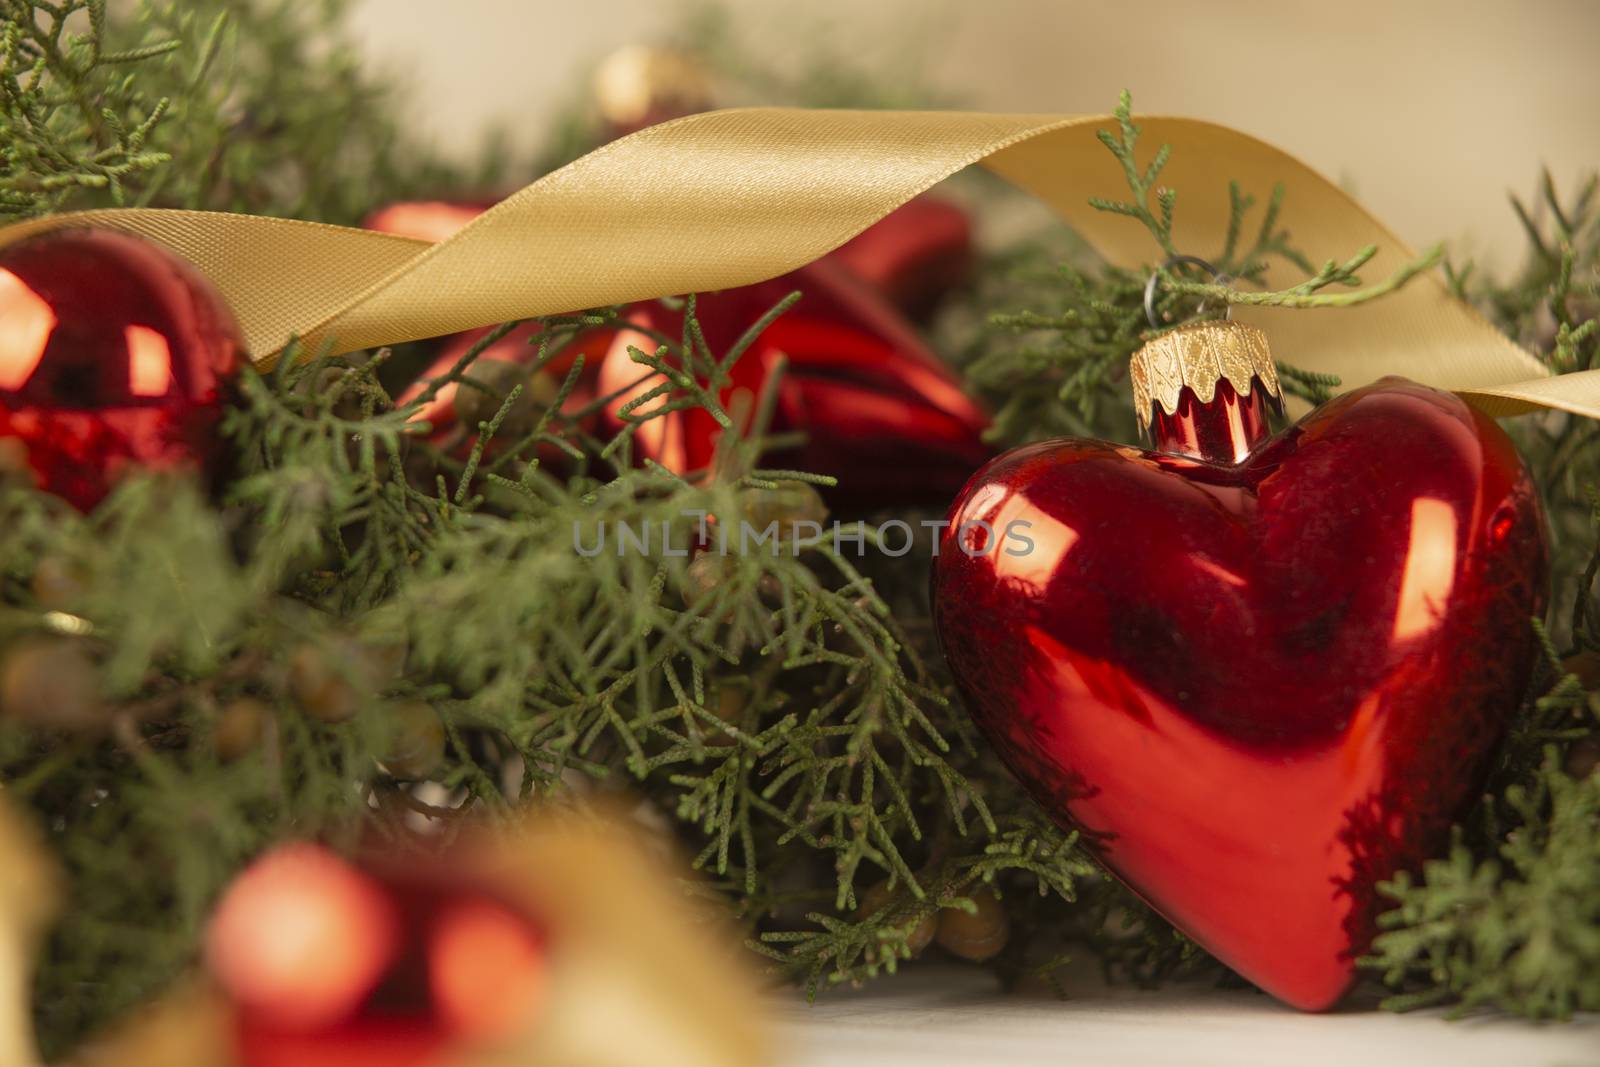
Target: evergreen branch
point(1307, 294)
point(1123, 145)
point(1519, 931)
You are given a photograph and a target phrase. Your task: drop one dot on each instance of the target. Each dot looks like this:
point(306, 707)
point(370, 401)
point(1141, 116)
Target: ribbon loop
point(728, 198)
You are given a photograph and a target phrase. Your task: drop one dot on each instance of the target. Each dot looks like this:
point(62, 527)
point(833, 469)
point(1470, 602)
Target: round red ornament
point(1260, 673)
point(330, 963)
point(300, 938)
point(114, 354)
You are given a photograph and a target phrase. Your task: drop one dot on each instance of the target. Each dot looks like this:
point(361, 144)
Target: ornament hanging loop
point(1150, 286)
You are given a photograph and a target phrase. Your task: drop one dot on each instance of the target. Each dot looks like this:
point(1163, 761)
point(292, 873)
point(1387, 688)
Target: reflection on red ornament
point(425, 220)
point(915, 256)
point(114, 355)
point(328, 963)
point(1260, 674)
point(878, 409)
point(300, 938)
point(485, 967)
point(519, 346)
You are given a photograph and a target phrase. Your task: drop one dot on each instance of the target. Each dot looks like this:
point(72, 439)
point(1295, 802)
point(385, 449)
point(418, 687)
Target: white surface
point(945, 1016)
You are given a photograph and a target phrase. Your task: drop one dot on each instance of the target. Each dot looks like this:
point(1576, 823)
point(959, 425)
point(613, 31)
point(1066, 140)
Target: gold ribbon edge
point(729, 198)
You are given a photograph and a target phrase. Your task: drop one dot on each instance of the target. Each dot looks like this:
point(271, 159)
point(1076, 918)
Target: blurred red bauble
point(114, 355)
point(301, 937)
point(486, 967)
point(915, 256)
point(331, 964)
point(878, 409)
point(425, 220)
point(448, 431)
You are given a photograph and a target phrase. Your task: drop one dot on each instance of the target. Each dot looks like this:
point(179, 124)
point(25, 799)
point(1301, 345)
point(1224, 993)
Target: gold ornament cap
point(642, 83)
point(1198, 355)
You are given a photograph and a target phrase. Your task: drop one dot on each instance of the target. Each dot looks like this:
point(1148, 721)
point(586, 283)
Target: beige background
point(1429, 110)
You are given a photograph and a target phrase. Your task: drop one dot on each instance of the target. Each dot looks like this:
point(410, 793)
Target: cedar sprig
point(200, 104)
point(1517, 930)
point(1063, 374)
point(1123, 144)
point(63, 107)
point(1507, 919)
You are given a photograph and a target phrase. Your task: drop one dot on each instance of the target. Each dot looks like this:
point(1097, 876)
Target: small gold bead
point(52, 683)
point(320, 687)
point(644, 83)
point(58, 583)
point(1583, 757)
point(240, 728)
point(978, 935)
point(416, 740)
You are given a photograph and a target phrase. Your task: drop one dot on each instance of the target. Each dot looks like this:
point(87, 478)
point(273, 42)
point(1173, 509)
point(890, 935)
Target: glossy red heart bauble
point(114, 354)
point(1258, 688)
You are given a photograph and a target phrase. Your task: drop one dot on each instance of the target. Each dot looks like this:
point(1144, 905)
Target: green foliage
point(1060, 371)
point(785, 713)
point(821, 67)
point(1519, 930)
point(841, 745)
point(1510, 918)
point(214, 104)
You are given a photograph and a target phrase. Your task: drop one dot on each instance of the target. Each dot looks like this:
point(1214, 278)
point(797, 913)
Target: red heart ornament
point(1258, 687)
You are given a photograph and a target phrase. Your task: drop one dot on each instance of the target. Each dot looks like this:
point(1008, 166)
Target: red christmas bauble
point(914, 256)
point(520, 346)
point(114, 354)
point(301, 937)
point(1260, 674)
point(425, 220)
point(328, 963)
point(879, 410)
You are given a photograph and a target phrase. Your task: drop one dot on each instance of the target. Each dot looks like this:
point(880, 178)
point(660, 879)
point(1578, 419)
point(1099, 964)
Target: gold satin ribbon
point(727, 198)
